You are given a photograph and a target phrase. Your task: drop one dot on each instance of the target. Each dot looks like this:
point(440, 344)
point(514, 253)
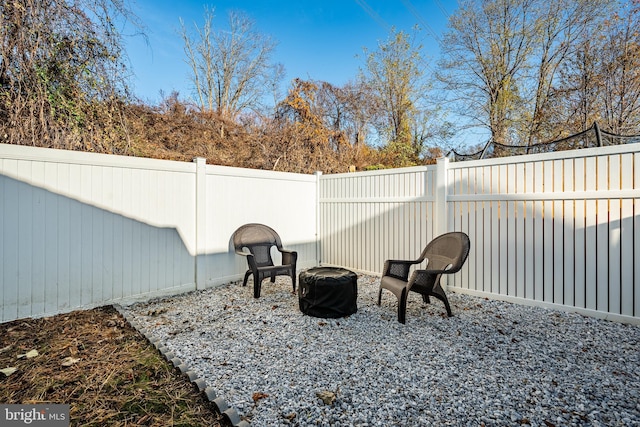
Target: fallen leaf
point(327, 397)
point(7, 348)
point(29, 355)
point(259, 395)
point(70, 361)
point(8, 371)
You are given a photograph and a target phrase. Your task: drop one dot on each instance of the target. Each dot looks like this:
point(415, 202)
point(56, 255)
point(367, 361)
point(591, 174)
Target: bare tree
point(619, 71)
point(486, 52)
point(395, 78)
point(361, 106)
point(577, 95)
point(230, 66)
point(559, 27)
point(503, 59)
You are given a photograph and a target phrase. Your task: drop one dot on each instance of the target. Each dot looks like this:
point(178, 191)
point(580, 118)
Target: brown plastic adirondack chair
point(445, 254)
point(254, 241)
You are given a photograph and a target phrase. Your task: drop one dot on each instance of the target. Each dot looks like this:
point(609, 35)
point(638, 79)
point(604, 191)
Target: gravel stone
point(493, 363)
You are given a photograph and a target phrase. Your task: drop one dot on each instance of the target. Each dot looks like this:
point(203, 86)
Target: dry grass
point(114, 377)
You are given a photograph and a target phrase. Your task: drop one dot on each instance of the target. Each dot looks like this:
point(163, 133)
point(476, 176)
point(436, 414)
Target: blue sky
point(316, 40)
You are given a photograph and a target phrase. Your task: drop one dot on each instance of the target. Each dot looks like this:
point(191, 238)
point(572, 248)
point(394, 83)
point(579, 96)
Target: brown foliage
point(61, 84)
point(177, 131)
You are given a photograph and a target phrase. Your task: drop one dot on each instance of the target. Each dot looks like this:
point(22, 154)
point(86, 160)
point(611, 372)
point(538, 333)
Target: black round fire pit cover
point(328, 292)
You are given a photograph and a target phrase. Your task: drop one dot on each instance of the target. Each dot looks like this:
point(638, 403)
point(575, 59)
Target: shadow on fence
point(59, 253)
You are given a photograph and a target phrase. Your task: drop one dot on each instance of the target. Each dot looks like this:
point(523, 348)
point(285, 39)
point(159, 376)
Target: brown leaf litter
point(107, 372)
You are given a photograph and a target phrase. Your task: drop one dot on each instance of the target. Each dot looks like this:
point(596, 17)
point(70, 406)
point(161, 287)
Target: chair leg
point(380, 295)
point(402, 307)
point(257, 284)
point(293, 280)
point(246, 277)
point(438, 292)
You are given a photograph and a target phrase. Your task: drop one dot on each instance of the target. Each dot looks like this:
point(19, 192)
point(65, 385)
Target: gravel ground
point(493, 363)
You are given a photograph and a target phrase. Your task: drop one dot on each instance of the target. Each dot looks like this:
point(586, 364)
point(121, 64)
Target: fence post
point(318, 222)
point(200, 219)
point(440, 221)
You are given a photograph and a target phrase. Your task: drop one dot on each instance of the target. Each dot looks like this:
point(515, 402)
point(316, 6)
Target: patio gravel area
point(493, 363)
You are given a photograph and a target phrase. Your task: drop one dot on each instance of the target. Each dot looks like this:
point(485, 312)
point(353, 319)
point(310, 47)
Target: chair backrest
point(258, 239)
point(449, 248)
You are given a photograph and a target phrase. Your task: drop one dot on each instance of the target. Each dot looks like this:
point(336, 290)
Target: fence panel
point(72, 222)
point(234, 196)
point(561, 229)
point(369, 217)
point(554, 229)
point(83, 229)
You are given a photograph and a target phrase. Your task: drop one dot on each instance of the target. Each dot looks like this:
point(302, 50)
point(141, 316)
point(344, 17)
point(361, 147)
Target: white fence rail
point(81, 229)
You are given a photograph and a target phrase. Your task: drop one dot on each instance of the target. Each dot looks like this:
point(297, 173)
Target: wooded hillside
point(525, 71)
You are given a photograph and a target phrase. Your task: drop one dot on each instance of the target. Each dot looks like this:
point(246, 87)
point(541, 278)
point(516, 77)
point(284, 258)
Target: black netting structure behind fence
point(592, 137)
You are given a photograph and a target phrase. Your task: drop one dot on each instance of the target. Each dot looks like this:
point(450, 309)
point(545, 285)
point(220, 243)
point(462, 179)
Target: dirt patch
point(107, 372)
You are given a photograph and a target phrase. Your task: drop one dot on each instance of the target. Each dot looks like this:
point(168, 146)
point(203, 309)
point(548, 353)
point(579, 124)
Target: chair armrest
point(398, 268)
point(445, 270)
point(250, 259)
point(427, 278)
point(288, 257)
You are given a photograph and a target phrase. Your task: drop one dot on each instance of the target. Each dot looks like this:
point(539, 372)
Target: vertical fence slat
point(591, 225)
point(569, 235)
point(75, 237)
point(30, 280)
point(64, 236)
point(538, 219)
point(10, 238)
point(6, 216)
point(615, 227)
point(579, 239)
point(50, 239)
point(520, 236)
point(474, 266)
point(627, 238)
point(602, 237)
point(487, 232)
point(465, 226)
point(495, 233)
point(558, 235)
point(529, 236)
point(512, 241)
point(108, 231)
point(549, 243)
point(503, 221)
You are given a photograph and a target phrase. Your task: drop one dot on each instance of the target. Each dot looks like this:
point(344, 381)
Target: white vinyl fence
point(80, 229)
point(559, 230)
